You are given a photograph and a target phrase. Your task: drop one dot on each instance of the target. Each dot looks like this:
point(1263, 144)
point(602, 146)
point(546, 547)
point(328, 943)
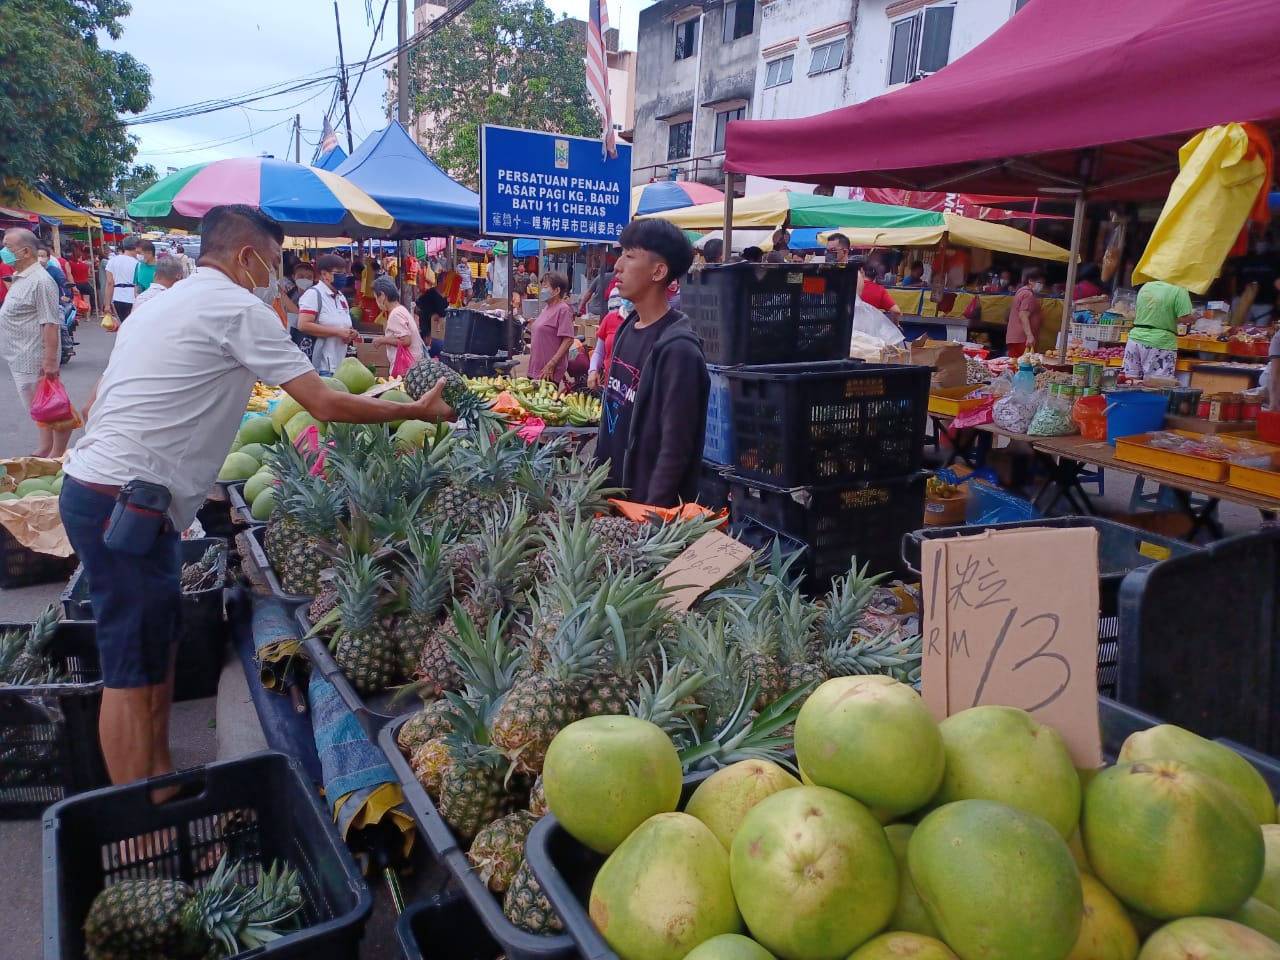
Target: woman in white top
point(324, 319)
point(402, 329)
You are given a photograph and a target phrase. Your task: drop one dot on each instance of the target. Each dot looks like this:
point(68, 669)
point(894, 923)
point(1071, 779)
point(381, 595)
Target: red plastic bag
point(51, 403)
point(404, 360)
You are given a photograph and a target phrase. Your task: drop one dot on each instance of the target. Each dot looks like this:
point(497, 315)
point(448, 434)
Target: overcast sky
point(219, 50)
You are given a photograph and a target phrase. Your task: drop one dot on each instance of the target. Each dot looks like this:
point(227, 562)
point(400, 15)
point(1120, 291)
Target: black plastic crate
point(445, 928)
point(473, 332)
point(1200, 637)
point(828, 422)
point(474, 366)
point(258, 810)
point(202, 631)
point(759, 537)
point(49, 746)
point(771, 313)
point(258, 557)
point(241, 509)
point(215, 516)
point(835, 522)
point(713, 486)
point(717, 444)
point(516, 944)
point(23, 567)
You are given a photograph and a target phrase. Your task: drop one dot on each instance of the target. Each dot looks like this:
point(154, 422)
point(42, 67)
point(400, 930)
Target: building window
point(679, 140)
point(739, 19)
point(686, 39)
point(722, 121)
point(779, 72)
point(829, 56)
point(920, 44)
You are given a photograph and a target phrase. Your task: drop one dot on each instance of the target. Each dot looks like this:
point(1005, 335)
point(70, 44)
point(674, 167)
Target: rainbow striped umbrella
point(305, 201)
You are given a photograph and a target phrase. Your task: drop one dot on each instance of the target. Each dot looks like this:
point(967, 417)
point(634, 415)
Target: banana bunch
point(550, 411)
point(486, 387)
point(261, 396)
point(581, 410)
point(938, 489)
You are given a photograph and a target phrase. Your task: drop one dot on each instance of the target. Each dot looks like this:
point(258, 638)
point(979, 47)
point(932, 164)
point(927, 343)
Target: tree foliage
point(508, 62)
point(129, 184)
point(61, 94)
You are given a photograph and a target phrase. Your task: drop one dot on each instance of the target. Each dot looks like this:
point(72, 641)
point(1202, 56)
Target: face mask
point(544, 295)
point(627, 306)
point(44, 263)
point(139, 257)
point(271, 291)
point(304, 285)
point(1037, 287)
point(6, 255)
point(339, 281)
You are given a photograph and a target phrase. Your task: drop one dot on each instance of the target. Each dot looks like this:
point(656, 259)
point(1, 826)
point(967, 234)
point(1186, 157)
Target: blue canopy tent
point(332, 160)
point(424, 200)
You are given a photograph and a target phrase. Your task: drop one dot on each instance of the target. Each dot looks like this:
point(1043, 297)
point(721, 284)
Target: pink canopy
point(1026, 109)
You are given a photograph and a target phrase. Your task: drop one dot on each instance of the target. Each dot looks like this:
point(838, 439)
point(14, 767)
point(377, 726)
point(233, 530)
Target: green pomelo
point(238, 466)
point(729, 946)
point(263, 504)
point(286, 409)
point(396, 396)
point(56, 486)
point(235, 446)
point(909, 915)
point(1005, 754)
point(665, 890)
point(298, 423)
point(897, 946)
point(333, 383)
point(1208, 938)
point(412, 434)
point(37, 494)
point(1170, 841)
point(256, 484)
point(257, 430)
point(1259, 916)
point(604, 776)
point(33, 485)
point(8, 496)
point(813, 874)
point(1268, 890)
point(999, 882)
point(1076, 844)
point(355, 375)
point(873, 739)
point(723, 799)
point(255, 450)
point(1167, 742)
point(1106, 932)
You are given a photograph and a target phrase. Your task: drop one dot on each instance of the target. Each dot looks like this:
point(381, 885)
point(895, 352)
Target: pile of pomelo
point(34, 487)
point(974, 839)
point(288, 420)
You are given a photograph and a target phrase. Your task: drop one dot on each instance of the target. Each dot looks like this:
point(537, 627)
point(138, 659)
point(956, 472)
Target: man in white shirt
point(165, 412)
point(168, 272)
point(122, 271)
point(324, 318)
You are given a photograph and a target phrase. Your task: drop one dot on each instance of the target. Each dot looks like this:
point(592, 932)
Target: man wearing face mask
point(324, 316)
point(164, 419)
point(1025, 316)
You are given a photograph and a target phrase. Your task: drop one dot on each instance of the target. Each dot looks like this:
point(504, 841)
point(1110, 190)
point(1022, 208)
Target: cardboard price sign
point(1011, 618)
point(705, 562)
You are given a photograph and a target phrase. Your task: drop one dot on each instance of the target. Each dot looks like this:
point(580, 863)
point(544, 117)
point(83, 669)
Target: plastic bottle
point(1024, 380)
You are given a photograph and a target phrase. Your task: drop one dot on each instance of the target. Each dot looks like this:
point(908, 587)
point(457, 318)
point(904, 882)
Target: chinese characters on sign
point(552, 187)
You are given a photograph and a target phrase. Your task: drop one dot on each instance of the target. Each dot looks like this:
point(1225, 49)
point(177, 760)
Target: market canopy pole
point(728, 217)
point(1068, 295)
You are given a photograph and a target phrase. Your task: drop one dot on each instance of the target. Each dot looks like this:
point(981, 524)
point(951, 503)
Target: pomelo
point(396, 396)
point(1075, 843)
point(729, 946)
point(299, 422)
point(999, 882)
point(1259, 916)
point(1106, 932)
point(1268, 890)
point(257, 430)
point(333, 383)
point(604, 776)
point(263, 504)
point(355, 375)
point(1170, 841)
point(813, 874)
point(256, 484)
point(238, 466)
point(872, 738)
point(1005, 754)
point(255, 450)
point(1167, 742)
point(37, 494)
point(285, 409)
point(33, 485)
point(56, 486)
point(412, 434)
point(1208, 938)
point(8, 495)
point(896, 946)
point(665, 890)
point(723, 799)
point(909, 915)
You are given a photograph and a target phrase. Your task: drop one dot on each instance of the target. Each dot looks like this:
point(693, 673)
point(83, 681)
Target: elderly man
point(140, 450)
point(31, 329)
point(168, 272)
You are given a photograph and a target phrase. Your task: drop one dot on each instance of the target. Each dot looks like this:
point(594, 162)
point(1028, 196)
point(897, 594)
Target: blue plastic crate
point(718, 446)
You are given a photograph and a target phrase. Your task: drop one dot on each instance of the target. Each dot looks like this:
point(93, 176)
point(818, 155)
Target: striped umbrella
point(672, 195)
point(305, 200)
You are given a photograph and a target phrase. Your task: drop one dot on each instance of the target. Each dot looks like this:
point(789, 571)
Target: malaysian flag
point(328, 139)
point(598, 71)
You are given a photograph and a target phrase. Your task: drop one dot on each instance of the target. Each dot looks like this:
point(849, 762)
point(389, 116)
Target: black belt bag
point(141, 514)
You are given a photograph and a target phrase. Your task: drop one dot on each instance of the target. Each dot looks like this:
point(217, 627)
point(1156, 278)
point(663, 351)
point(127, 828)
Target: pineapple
point(429, 761)
point(425, 588)
point(159, 919)
point(325, 602)
point(556, 495)
point(647, 546)
point(201, 574)
point(629, 608)
point(422, 376)
point(845, 603)
point(616, 537)
point(291, 469)
point(480, 475)
point(434, 720)
point(538, 798)
point(756, 631)
point(362, 647)
point(705, 641)
point(316, 509)
point(498, 849)
point(471, 781)
point(527, 906)
point(665, 698)
point(24, 653)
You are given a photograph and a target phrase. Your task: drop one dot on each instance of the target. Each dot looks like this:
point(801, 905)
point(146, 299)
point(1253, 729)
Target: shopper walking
point(1025, 316)
point(324, 318)
point(552, 334)
point(1152, 350)
point(122, 271)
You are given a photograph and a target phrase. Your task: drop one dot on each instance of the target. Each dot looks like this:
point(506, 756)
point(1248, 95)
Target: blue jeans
point(137, 600)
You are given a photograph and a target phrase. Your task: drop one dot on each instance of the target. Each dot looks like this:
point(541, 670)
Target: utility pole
point(342, 80)
point(402, 64)
point(297, 138)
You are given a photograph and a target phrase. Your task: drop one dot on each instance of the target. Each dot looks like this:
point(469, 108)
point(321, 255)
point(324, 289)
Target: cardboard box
point(369, 354)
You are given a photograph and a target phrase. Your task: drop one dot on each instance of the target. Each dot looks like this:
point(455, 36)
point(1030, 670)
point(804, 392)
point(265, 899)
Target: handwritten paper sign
point(1011, 618)
point(704, 563)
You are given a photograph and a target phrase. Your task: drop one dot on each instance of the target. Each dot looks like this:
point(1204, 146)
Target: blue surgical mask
point(339, 281)
point(7, 256)
point(627, 306)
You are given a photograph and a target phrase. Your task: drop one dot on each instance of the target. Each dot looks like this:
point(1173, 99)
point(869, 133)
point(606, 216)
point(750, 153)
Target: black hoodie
point(661, 461)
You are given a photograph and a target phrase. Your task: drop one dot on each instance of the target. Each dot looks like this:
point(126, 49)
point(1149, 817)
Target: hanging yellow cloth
point(1222, 172)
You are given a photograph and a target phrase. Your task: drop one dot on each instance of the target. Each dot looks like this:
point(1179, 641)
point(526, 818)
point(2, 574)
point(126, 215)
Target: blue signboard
point(552, 187)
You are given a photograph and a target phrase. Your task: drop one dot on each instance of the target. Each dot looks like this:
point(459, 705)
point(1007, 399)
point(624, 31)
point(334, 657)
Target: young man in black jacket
point(655, 390)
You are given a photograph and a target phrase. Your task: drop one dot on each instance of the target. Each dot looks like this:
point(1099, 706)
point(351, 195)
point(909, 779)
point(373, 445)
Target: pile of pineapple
point(486, 574)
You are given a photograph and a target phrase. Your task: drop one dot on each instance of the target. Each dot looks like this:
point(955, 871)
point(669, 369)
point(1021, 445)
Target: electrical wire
point(377, 31)
point(210, 145)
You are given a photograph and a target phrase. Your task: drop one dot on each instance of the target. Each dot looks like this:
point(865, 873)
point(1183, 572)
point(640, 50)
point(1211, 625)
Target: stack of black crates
point(815, 450)
point(474, 342)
